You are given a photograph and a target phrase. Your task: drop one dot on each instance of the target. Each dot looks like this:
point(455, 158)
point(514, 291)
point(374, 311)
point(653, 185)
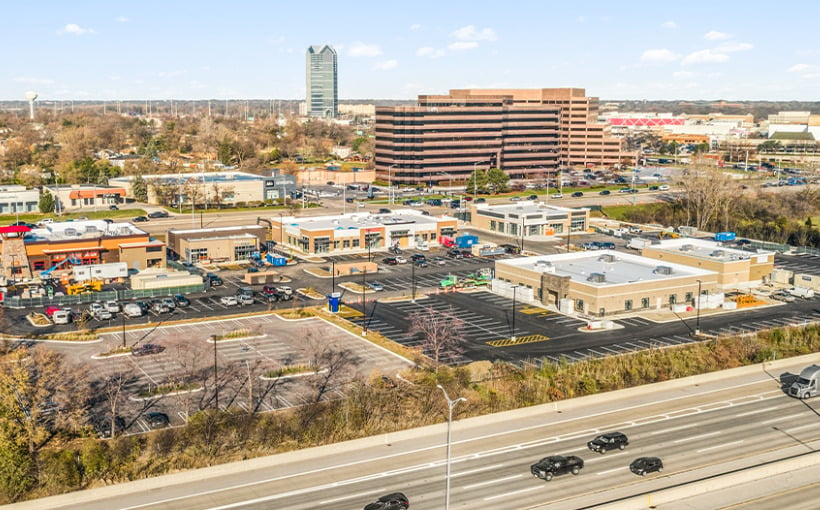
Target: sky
point(182, 49)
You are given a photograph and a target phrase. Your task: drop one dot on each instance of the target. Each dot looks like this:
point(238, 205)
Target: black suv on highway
point(555, 465)
point(644, 465)
point(394, 501)
point(609, 441)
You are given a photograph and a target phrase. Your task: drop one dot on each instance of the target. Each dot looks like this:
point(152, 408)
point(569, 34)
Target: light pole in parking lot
point(697, 320)
point(390, 184)
point(512, 336)
point(364, 302)
point(333, 276)
point(413, 281)
point(451, 404)
point(216, 381)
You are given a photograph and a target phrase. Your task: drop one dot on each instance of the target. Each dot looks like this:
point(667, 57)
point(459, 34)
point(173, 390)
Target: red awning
point(12, 229)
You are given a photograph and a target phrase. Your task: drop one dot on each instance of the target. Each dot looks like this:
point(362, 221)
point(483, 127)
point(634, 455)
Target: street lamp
point(451, 404)
point(390, 184)
point(512, 336)
point(475, 179)
point(697, 321)
point(413, 279)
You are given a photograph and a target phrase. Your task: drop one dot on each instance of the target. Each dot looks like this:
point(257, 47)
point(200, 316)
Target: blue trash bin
point(333, 301)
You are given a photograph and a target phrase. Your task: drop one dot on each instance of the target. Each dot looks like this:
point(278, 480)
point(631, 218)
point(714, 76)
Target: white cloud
point(669, 24)
point(385, 65)
point(360, 49)
point(799, 68)
point(581, 19)
point(462, 45)
point(714, 35)
point(74, 29)
point(732, 46)
point(122, 19)
point(171, 74)
point(682, 75)
point(470, 33)
point(32, 80)
point(429, 51)
point(659, 55)
point(415, 26)
point(705, 57)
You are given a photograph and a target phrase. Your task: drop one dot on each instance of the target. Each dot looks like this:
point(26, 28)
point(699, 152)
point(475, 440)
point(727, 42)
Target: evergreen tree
point(140, 189)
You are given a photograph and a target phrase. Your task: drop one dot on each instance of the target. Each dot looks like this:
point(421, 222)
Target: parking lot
point(188, 359)
point(546, 335)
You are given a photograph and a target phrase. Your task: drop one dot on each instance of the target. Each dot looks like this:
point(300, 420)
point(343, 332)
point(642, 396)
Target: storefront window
point(645, 302)
point(628, 304)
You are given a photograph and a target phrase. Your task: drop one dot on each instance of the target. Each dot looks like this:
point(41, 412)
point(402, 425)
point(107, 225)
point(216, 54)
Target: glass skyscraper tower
point(322, 88)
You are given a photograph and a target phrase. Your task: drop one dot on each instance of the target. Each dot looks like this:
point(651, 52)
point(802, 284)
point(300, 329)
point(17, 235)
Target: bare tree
point(333, 364)
point(710, 195)
point(442, 332)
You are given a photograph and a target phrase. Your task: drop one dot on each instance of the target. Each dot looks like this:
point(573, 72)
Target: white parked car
point(557, 195)
point(112, 306)
point(229, 300)
point(663, 187)
point(400, 259)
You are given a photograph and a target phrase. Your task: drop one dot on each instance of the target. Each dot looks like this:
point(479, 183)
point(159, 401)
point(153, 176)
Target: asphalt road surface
point(701, 427)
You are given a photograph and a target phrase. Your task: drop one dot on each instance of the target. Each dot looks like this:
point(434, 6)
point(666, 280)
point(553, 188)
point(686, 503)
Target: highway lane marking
point(758, 411)
point(807, 426)
point(513, 493)
point(779, 418)
point(692, 438)
point(674, 429)
point(493, 481)
point(610, 471)
point(724, 445)
point(478, 470)
point(352, 496)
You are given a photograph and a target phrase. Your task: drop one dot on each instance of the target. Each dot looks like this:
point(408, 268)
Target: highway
point(701, 427)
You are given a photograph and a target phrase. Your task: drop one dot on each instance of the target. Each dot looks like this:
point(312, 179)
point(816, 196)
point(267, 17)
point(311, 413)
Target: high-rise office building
point(322, 86)
point(528, 133)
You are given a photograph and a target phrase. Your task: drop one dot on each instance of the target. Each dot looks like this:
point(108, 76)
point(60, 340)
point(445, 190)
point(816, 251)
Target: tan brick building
point(736, 269)
point(227, 244)
point(603, 283)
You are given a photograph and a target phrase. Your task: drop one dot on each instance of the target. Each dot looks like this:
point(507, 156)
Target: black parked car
point(609, 441)
point(390, 261)
point(394, 501)
point(113, 207)
point(417, 256)
point(157, 420)
point(455, 253)
point(555, 465)
point(578, 194)
point(644, 465)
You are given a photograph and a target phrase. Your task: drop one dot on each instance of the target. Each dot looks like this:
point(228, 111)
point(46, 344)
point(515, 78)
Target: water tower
point(31, 96)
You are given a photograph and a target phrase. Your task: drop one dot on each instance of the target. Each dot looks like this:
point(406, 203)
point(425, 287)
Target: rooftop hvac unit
point(596, 277)
point(686, 247)
point(607, 257)
point(544, 266)
point(663, 270)
point(71, 231)
point(717, 253)
point(90, 228)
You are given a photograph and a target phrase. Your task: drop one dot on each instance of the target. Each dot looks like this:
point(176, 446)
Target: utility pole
point(364, 302)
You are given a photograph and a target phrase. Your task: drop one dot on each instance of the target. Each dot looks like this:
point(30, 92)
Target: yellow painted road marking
point(531, 310)
point(526, 339)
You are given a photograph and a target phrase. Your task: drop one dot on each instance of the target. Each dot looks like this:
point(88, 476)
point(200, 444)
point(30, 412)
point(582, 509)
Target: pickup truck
point(555, 465)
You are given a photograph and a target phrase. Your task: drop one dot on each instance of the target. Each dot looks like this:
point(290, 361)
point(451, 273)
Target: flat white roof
point(706, 249)
point(217, 230)
point(617, 268)
point(84, 229)
point(351, 221)
point(526, 207)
